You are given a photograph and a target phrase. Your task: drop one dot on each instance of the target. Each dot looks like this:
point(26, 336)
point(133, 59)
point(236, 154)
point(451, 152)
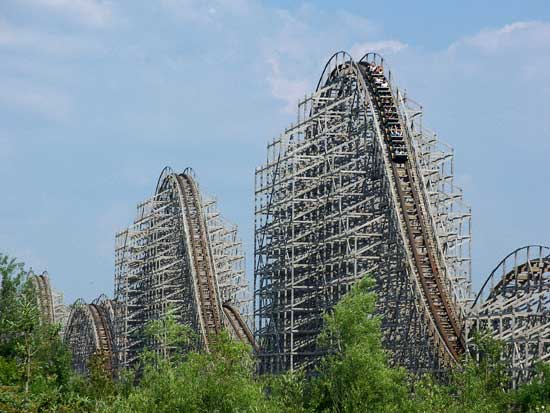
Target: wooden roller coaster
point(49, 301)
point(514, 305)
point(358, 186)
point(238, 326)
point(178, 258)
point(90, 332)
point(43, 291)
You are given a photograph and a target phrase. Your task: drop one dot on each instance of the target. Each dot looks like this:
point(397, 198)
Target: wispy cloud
point(524, 35)
point(97, 13)
point(48, 103)
point(19, 38)
point(204, 11)
point(386, 47)
point(295, 52)
point(288, 90)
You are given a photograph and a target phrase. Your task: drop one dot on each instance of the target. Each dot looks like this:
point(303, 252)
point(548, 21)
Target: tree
point(32, 355)
point(99, 380)
point(221, 380)
point(26, 322)
point(357, 377)
point(289, 392)
point(482, 383)
point(479, 385)
point(534, 396)
point(12, 274)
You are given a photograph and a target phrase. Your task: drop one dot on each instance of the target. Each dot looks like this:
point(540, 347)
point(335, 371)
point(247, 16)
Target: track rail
point(521, 276)
point(179, 257)
point(103, 332)
point(44, 297)
point(412, 208)
point(206, 289)
point(89, 331)
point(514, 305)
point(238, 326)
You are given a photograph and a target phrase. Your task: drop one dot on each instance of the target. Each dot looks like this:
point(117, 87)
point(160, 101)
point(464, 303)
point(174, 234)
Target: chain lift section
point(355, 188)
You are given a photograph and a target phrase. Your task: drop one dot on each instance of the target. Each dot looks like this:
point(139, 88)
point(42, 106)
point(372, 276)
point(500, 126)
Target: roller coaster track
point(514, 305)
point(358, 186)
point(206, 289)
point(412, 209)
point(104, 334)
point(238, 326)
point(180, 258)
point(520, 276)
point(44, 297)
point(49, 301)
point(90, 331)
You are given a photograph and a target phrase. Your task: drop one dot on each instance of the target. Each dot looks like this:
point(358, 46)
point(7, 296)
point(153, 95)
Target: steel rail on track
point(412, 210)
point(103, 332)
point(205, 283)
point(543, 262)
point(44, 297)
point(238, 325)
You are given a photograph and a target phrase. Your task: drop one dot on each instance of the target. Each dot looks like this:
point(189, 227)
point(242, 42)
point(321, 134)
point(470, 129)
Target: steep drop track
point(44, 295)
point(413, 211)
point(104, 339)
point(239, 327)
point(206, 288)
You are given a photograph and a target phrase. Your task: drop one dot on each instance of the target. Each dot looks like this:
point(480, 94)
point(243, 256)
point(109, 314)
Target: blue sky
point(96, 97)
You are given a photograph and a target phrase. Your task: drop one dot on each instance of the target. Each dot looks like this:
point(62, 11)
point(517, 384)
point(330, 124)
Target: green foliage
point(219, 381)
point(100, 381)
point(289, 392)
point(34, 363)
point(535, 396)
point(358, 377)
point(173, 339)
point(35, 372)
point(13, 274)
point(481, 385)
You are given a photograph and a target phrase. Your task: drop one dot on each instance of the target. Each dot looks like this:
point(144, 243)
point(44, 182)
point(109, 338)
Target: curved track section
point(514, 304)
point(41, 284)
point(201, 260)
point(357, 186)
point(49, 302)
point(90, 331)
point(178, 257)
point(238, 327)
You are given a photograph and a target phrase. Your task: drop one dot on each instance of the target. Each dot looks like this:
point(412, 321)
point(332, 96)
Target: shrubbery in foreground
point(35, 373)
